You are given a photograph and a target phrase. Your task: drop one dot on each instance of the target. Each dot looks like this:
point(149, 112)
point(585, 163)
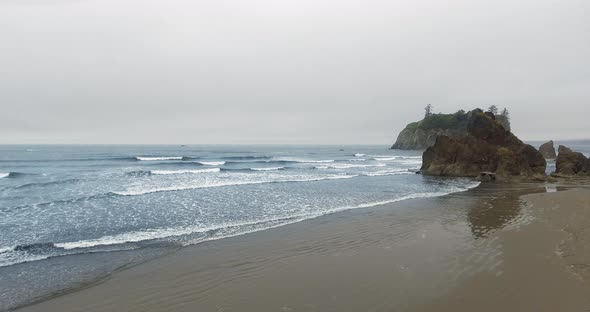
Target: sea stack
point(484, 146)
point(548, 150)
point(571, 163)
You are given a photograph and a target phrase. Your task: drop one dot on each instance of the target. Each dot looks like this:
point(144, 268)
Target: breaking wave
point(211, 163)
point(168, 172)
point(44, 250)
point(153, 158)
point(182, 187)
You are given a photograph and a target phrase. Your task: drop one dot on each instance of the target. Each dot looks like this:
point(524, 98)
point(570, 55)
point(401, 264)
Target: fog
point(288, 72)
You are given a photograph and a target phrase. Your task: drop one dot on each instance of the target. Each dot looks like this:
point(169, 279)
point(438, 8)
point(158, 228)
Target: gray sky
point(286, 71)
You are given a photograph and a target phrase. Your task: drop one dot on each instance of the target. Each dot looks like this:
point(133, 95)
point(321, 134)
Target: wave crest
point(168, 172)
point(156, 158)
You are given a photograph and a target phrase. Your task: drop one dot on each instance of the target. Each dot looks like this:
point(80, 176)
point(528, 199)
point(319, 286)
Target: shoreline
point(316, 239)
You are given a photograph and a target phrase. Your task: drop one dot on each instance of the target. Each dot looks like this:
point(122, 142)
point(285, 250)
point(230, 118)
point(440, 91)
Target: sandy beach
point(498, 247)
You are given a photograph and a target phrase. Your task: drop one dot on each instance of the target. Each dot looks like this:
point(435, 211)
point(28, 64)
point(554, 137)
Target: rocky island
point(422, 134)
point(480, 143)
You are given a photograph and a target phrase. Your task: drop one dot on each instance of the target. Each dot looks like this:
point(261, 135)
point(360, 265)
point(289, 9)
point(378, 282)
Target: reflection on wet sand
point(496, 207)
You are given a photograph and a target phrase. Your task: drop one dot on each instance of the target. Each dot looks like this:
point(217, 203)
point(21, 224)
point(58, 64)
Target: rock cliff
point(571, 163)
point(422, 134)
point(420, 139)
point(548, 150)
point(484, 146)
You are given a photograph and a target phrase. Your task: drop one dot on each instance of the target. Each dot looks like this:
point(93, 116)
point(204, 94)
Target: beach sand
point(495, 248)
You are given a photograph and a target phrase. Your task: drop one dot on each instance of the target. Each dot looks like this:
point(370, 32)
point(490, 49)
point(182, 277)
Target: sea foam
point(182, 187)
point(149, 158)
point(211, 163)
point(168, 172)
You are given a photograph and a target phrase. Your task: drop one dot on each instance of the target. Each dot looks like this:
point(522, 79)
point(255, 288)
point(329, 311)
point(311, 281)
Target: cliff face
point(485, 146)
point(571, 163)
point(420, 139)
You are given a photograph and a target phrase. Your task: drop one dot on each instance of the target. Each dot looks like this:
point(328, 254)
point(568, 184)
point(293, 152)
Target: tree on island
point(505, 113)
point(504, 119)
point(428, 110)
point(493, 109)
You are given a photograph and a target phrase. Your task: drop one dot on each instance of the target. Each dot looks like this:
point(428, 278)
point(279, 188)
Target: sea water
point(60, 202)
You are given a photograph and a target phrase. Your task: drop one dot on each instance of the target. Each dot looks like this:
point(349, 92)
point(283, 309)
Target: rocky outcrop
point(571, 163)
point(548, 150)
point(485, 146)
point(420, 139)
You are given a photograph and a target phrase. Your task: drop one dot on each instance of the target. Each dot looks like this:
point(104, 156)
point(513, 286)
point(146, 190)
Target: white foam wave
point(348, 166)
point(182, 187)
point(4, 175)
point(385, 158)
point(153, 234)
point(211, 163)
point(306, 161)
point(388, 172)
point(267, 169)
point(359, 155)
point(5, 249)
point(167, 172)
point(158, 158)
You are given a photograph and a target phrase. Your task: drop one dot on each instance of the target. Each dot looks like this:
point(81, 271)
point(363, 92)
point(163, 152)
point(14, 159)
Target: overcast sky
point(286, 71)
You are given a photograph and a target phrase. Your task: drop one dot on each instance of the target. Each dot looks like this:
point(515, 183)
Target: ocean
point(74, 213)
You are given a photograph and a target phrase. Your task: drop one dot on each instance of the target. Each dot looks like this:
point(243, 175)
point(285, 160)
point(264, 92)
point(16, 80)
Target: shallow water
point(60, 201)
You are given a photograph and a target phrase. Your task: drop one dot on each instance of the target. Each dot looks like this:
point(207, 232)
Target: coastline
point(416, 255)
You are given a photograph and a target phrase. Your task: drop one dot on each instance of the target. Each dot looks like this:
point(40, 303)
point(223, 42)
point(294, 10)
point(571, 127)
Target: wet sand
point(493, 248)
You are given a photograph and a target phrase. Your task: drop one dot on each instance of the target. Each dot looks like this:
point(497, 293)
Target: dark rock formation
point(548, 150)
point(485, 146)
point(571, 163)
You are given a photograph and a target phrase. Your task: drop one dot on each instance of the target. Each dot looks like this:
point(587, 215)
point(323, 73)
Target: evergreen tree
point(504, 119)
point(493, 109)
point(428, 110)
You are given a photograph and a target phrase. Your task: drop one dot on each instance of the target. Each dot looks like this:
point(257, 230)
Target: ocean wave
point(305, 161)
point(168, 172)
point(154, 158)
point(137, 192)
point(14, 174)
point(347, 166)
point(384, 158)
point(6, 249)
point(253, 169)
point(39, 251)
point(60, 201)
point(267, 169)
point(41, 184)
point(139, 173)
point(388, 158)
point(152, 234)
point(388, 172)
point(359, 155)
point(245, 157)
point(211, 163)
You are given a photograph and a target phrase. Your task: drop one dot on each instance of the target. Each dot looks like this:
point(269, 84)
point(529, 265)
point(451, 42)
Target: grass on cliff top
point(439, 121)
